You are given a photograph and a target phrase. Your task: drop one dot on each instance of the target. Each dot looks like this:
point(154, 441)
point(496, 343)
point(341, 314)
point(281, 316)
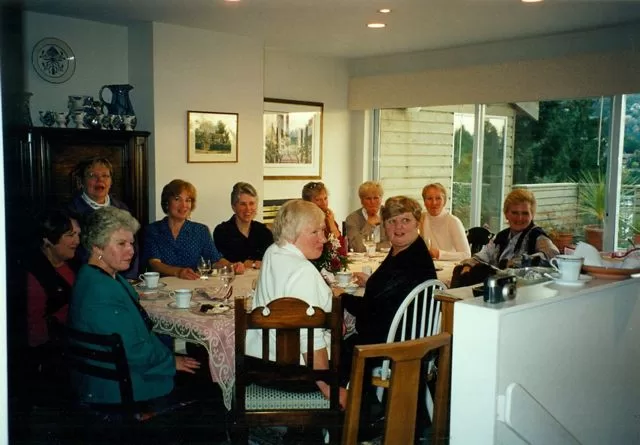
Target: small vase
point(129, 122)
point(48, 118)
point(78, 118)
point(61, 119)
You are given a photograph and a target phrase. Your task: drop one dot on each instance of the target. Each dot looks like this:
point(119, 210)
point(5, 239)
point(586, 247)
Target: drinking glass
point(204, 268)
point(226, 274)
point(370, 244)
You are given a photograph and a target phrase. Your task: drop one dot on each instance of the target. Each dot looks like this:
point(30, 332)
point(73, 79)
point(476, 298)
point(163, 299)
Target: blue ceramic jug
point(120, 103)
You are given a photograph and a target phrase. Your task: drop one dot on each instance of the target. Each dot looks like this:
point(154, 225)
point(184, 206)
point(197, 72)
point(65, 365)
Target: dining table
point(216, 331)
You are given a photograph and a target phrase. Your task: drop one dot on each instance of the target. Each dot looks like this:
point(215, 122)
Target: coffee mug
point(182, 297)
point(343, 277)
point(568, 266)
point(150, 279)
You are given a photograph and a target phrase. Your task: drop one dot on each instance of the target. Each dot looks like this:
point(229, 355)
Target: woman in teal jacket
point(104, 302)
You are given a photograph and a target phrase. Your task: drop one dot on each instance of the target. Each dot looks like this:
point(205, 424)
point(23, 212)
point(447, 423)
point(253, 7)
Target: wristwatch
point(253, 265)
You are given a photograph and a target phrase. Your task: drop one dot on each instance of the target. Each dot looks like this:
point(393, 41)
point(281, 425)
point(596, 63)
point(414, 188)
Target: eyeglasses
point(96, 176)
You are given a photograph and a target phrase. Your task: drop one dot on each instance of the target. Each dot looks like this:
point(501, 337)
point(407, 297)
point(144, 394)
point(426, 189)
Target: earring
point(99, 257)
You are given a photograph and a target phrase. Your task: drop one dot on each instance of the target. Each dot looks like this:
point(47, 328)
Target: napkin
point(589, 253)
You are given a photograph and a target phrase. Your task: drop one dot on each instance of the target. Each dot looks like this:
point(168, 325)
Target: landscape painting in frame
point(292, 139)
point(213, 137)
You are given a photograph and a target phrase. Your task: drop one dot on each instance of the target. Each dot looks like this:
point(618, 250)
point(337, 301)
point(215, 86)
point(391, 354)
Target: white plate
point(356, 255)
point(145, 290)
point(172, 305)
point(584, 279)
point(218, 308)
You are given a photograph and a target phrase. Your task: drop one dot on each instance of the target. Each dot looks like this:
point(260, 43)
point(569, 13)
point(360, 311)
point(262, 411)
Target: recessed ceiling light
point(376, 25)
point(232, 1)
point(530, 1)
point(384, 11)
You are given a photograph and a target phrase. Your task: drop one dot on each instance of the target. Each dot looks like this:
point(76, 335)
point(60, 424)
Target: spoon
point(488, 264)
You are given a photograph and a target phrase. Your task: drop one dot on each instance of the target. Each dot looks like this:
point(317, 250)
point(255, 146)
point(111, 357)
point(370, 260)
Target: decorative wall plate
point(53, 60)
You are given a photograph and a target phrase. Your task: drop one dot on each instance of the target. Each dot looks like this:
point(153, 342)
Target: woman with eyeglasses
point(317, 193)
point(96, 177)
point(174, 245)
point(407, 265)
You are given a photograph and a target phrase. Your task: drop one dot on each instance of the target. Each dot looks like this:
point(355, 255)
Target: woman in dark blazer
point(104, 302)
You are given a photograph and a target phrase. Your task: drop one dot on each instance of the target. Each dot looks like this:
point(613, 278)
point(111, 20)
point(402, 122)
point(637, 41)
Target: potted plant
point(591, 206)
point(559, 229)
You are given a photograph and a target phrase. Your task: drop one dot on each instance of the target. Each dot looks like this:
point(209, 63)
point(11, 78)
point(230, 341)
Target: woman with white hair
point(367, 221)
point(298, 231)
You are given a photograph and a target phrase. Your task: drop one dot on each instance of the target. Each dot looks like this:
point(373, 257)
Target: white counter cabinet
point(548, 367)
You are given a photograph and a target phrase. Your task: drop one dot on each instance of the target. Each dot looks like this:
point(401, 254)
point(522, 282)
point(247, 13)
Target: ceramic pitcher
point(120, 103)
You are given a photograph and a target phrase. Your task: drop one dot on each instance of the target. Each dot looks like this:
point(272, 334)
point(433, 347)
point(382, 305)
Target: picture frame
point(212, 136)
point(292, 139)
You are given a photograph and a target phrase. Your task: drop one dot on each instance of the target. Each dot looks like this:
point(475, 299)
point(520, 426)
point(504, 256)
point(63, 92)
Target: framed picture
point(292, 139)
point(213, 137)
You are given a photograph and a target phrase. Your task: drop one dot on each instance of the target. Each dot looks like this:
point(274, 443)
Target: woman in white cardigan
point(443, 232)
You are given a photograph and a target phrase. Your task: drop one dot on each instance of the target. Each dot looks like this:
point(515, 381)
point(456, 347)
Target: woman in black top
point(241, 239)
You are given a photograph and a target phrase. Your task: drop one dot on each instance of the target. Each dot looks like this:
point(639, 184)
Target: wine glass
point(204, 268)
point(226, 274)
point(370, 244)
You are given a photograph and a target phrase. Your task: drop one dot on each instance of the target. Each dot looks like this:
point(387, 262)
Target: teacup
point(343, 277)
point(568, 266)
point(150, 279)
point(182, 297)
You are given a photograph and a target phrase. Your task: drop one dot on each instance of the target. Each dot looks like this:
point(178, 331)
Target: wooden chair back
point(287, 316)
point(400, 412)
point(102, 356)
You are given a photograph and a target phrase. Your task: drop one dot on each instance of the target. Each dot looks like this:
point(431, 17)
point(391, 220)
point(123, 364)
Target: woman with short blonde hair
point(406, 265)
point(287, 271)
point(522, 243)
point(443, 232)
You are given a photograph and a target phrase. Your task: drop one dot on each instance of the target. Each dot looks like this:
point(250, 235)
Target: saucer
point(147, 290)
point(584, 279)
point(349, 288)
point(172, 305)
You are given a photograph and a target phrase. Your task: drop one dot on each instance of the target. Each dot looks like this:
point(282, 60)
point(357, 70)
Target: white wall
point(589, 63)
point(201, 70)
point(316, 79)
point(175, 69)
point(101, 52)
point(576, 353)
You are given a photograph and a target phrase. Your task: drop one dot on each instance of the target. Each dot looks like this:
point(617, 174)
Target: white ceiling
point(337, 27)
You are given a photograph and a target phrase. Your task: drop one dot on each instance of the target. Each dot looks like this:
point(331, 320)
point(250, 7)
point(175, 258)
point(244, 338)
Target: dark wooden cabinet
point(49, 156)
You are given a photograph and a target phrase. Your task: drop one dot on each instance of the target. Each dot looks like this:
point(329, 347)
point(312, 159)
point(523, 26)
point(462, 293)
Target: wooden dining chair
point(418, 316)
point(401, 402)
point(261, 395)
point(103, 356)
